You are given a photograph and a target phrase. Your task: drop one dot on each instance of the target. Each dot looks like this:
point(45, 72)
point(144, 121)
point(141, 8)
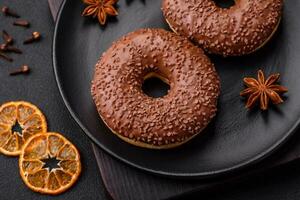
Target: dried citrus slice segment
point(34, 170)
point(18, 121)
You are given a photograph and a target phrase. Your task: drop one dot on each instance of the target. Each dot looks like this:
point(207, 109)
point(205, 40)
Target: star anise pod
point(100, 9)
point(263, 90)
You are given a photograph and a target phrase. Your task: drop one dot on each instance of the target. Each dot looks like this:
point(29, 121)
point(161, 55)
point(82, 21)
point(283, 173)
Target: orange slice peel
point(45, 180)
point(27, 117)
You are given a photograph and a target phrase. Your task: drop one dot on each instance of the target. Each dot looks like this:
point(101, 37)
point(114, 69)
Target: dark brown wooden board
point(125, 182)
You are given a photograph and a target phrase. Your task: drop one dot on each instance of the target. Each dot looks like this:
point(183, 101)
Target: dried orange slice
point(18, 121)
point(32, 162)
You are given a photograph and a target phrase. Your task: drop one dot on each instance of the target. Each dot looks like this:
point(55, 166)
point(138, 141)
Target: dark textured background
point(40, 88)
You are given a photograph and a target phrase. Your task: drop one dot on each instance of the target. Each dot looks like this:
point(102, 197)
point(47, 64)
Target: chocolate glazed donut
point(241, 29)
point(145, 121)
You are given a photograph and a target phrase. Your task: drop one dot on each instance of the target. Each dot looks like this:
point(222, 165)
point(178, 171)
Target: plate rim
point(211, 174)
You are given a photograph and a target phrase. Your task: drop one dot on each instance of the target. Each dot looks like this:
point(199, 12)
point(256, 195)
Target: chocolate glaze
point(155, 122)
point(238, 30)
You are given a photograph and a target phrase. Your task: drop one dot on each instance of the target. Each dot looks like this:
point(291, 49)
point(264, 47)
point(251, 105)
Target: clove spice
point(5, 57)
point(34, 37)
point(7, 38)
point(8, 48)
point(22, 70)
point(9, 12)
point(22, 22)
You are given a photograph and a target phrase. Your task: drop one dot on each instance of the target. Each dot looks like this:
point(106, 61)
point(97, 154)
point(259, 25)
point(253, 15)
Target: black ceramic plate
point(235, 139)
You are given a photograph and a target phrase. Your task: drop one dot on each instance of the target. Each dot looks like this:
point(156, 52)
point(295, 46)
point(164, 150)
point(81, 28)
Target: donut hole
point(224, 3)
point(155, 85)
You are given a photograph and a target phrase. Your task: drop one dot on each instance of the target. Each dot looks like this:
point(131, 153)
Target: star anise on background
point(263, 90)
point(100, 9)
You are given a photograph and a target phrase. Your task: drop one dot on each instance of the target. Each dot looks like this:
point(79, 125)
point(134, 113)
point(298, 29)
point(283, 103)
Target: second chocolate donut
point(241, 29)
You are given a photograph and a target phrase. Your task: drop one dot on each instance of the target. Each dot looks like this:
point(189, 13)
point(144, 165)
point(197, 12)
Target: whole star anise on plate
point(263, 90)
point(100, 9)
